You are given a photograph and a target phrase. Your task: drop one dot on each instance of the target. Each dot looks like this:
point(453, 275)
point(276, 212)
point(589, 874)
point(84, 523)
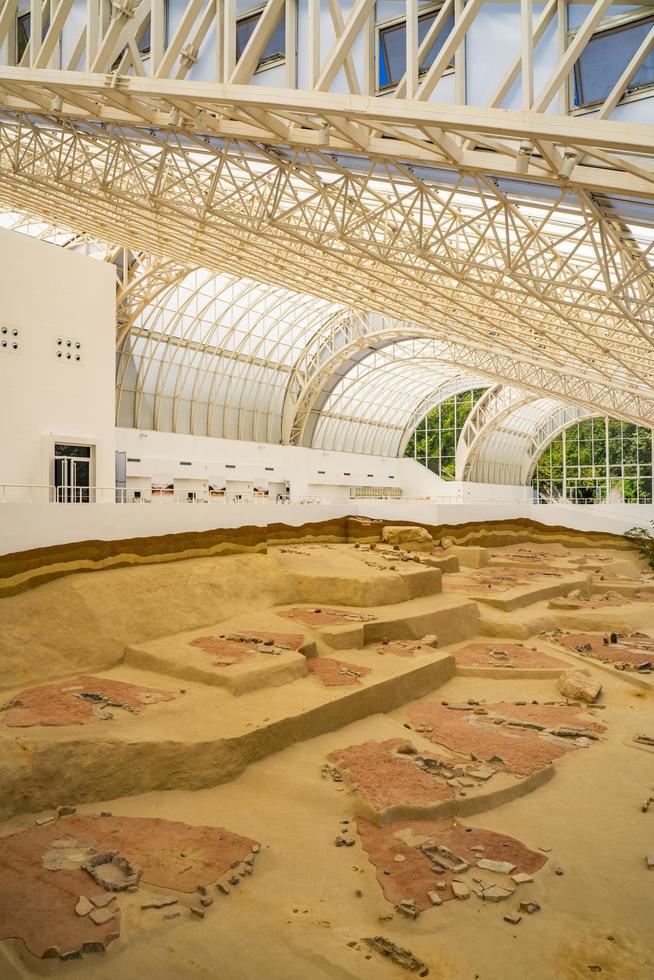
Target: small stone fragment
point(579, 685)
point(158, 903)
point(460, 889)
point(206, 901)
point(521, 878)
point(71, 954)
point(529, 907)
point(83, 906)
point(93, 946)
point(100, 916)
point(100, 901)
point(234, 880)
point(434, 898)
point(499, 867)
point(222, 888)
point(64, 810)
point(171, 915)
point(496, 893)
point(409, 909)
point(41, 821)
point(513, 919)
point(198, 911)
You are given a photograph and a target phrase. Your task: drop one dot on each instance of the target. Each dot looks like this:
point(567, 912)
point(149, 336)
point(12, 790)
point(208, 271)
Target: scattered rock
point(496, 893)
point(403, 957)
point(405, 535)
point(71, 954)
point(198, 911)
point(101, 901)
point(158, 903)
point(434, 898)
point(409, 909)
point(171, 915)
point(64, 810)
point(521, 878)
point(499, 867)
point(513, 919)
point(206, 901)
point(579, 685)
point(83, 906)
point(529, 907)
point(222, 888)
point(460, 889)
point(100, 916)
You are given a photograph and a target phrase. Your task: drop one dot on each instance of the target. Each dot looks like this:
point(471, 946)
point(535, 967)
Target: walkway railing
point(12, 493)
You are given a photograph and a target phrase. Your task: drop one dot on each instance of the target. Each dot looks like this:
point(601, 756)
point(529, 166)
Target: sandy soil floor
point(270, 765)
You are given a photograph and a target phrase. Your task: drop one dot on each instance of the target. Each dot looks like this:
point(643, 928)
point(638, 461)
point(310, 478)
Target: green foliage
point(599, 458)
point(434, 440)
point(644, 539)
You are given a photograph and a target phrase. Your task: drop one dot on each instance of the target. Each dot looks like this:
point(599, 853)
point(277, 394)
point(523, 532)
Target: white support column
point(411, 48)
point(36, 30)
point(527, 55)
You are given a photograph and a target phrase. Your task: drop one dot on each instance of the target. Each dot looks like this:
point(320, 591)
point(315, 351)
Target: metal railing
point(43, 493)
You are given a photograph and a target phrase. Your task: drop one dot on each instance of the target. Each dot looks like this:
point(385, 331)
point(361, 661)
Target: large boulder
point(579, 685)
point(406, 535)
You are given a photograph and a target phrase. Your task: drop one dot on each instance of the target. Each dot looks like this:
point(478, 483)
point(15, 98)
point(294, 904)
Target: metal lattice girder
point(468, 260)
point(518, 241)
point(330, 356)
point(510, 443)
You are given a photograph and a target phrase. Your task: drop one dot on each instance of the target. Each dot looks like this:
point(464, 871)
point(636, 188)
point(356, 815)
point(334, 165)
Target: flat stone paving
point(495, 732)
point(81, 700)
point(39, 895)
point(406, 873)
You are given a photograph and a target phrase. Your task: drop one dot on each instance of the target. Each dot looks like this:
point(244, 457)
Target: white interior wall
point(308, 471)
point(49, 293)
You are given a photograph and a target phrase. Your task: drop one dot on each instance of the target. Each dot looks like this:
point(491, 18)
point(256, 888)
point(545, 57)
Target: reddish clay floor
point(336, 673)
point(414, 875)
point(79, 701)
point(385, 778)
point(634, 650)
point(494, 732)
point(42, 880)
point(325, 617)
point(597, 602)
point(509, 655)
point(497, 580)
point(236, 648)
point(404, 648)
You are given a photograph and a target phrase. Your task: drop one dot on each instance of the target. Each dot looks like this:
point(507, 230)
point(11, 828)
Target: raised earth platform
point(376, 714)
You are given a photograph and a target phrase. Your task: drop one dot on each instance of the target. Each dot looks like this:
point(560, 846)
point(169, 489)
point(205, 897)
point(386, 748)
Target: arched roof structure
point(304, 258)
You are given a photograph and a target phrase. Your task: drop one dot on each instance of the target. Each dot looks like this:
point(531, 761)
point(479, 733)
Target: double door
point(72, 474)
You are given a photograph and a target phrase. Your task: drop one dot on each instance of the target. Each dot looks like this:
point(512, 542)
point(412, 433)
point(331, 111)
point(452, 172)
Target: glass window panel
point(275, 50)
point(604, 59)
point(392, 48)
point(22, 35)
